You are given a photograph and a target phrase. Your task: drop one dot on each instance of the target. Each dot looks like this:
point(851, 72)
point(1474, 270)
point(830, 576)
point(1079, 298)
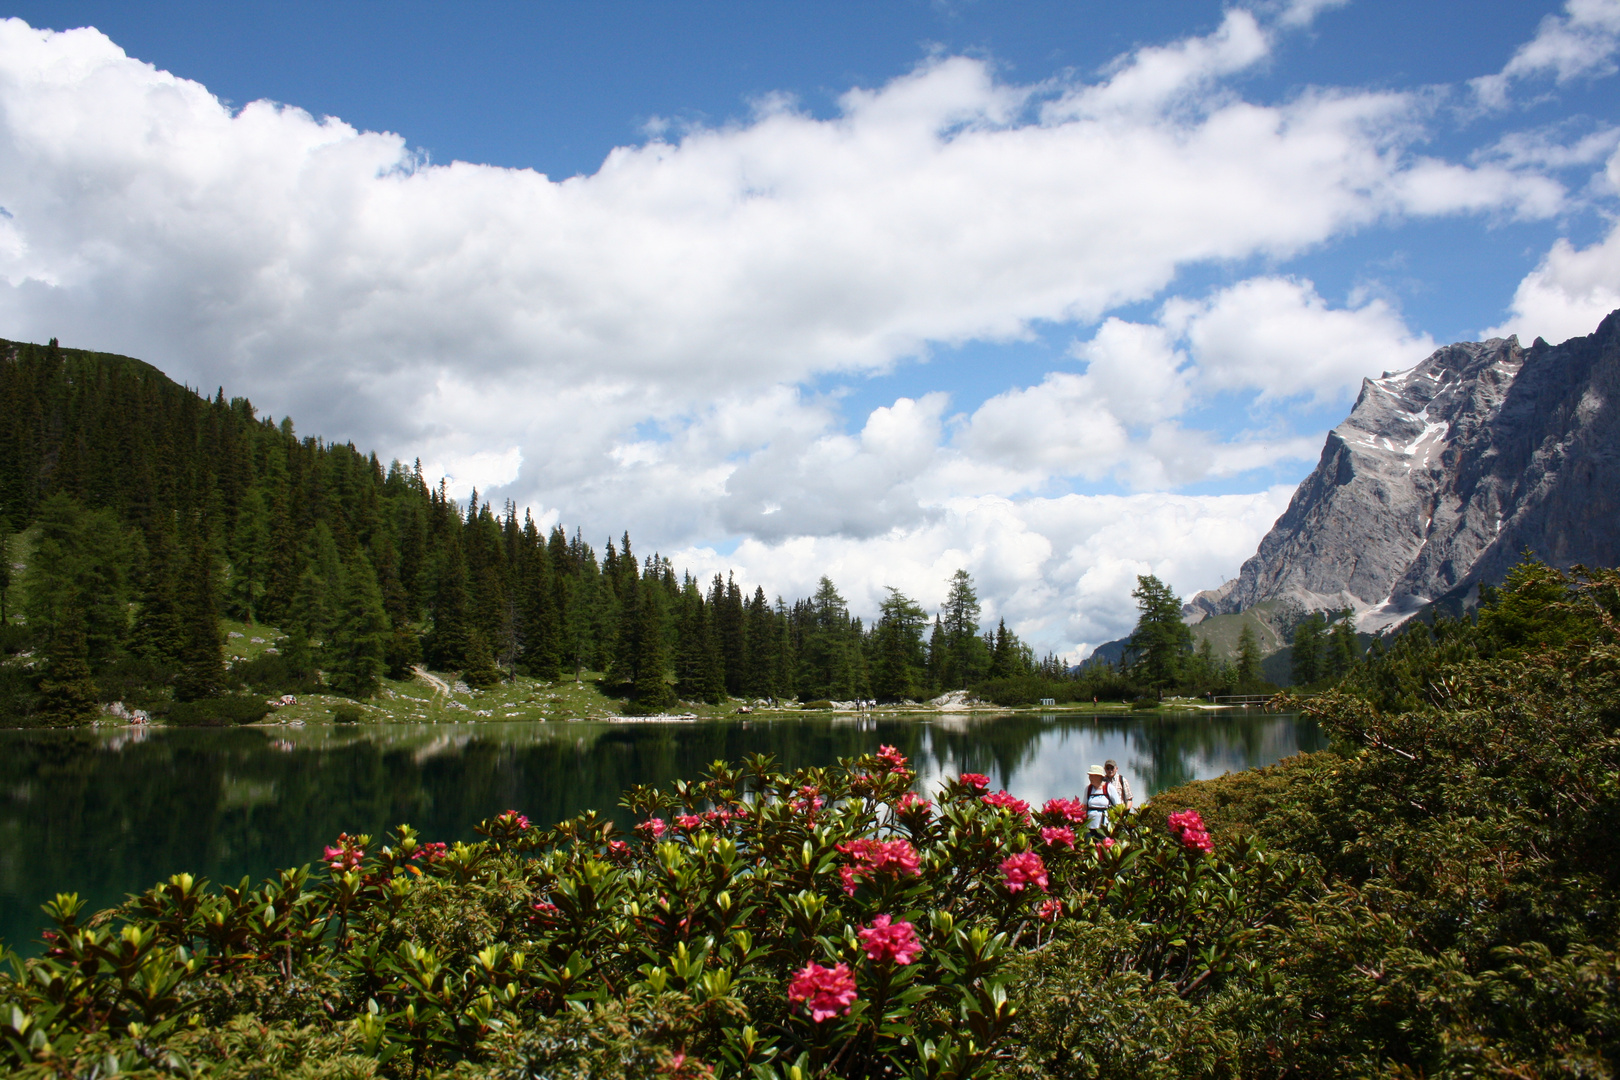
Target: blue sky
point(1060, 292)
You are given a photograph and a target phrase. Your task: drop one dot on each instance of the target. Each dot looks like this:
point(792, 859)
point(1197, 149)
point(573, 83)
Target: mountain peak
point(1442, 474)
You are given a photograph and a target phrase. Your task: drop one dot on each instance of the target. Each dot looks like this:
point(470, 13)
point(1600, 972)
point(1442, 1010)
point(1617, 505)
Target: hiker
point(1117, 783)
point(1099, 798)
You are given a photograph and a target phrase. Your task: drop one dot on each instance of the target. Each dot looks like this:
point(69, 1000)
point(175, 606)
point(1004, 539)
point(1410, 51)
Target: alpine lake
point(105, 812)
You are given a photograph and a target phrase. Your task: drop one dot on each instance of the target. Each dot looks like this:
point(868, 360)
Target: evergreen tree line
point(154, 512)
point(1159, 658)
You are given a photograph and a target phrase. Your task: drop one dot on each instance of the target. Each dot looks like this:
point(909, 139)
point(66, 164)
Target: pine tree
point(1341, 648)
point(250, 557)
point(1307, 654)
point(897, 661)
point(967, 658)
point(1004, 656)
point(759, 664)
point(542, 631)
point(5, 566)
point(1247, 671)
point(311, 619)
point(787, 658)
point(827, 660)
point(360, 640)
point(80, 555)
point(159, 635)
point(650, 654)
point(480, 670)
point(451, 643)
point(67, 692)
point(1206, 668)
point(730, 630)
point(202, 667)
point(404, 647)
point(1161, 640)
point(939, 659)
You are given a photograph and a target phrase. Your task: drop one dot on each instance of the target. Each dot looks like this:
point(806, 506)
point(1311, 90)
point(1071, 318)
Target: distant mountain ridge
point(1442, 475)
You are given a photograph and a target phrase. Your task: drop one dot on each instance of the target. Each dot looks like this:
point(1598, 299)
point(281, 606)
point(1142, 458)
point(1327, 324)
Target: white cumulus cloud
point(636, 347)
point(1580, 42)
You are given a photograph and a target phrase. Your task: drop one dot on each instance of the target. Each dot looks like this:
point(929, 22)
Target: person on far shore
point(1099, 799)
point(1117, 783)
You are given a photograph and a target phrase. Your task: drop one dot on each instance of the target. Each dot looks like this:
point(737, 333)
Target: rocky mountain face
point(1442, 475)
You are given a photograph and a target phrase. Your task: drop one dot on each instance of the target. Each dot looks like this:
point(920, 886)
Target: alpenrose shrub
point(826, 923)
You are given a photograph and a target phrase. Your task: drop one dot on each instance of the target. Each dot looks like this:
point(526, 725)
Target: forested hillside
point(144, 512)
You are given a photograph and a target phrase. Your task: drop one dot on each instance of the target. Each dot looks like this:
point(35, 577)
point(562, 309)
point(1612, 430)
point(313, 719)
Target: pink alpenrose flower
point(913, 803)
point(1025, 868)
point(826, 992)
point(1072, 810)
point(1188, 827)
point(1061, 834)
point(890, 942)
point(891, 758)
point(1003, 801)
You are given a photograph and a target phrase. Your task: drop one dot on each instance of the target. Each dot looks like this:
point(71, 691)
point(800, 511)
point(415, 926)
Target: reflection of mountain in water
point(107, 814)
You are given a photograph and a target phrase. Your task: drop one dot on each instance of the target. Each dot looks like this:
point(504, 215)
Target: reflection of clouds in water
point(1154, 753)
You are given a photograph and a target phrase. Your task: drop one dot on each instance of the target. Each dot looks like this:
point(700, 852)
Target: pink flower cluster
point(506, 824)
point(896, 857)
point(975, 781)
point(1050, 909)
point(1068, 809)
point(892, 759)
point(431, 852)
point(889, 942)
point(809, 800)
point(1059, 834)
point(913, 803)
point(1003, 801)
point(693, 822)
point(1025, 868)
point(345, 854)
point(1188, 827)
point(652, 828)
point(826, 992)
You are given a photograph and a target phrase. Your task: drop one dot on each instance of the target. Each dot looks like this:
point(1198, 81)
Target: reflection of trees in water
point(1178, 749)
point(80, 812)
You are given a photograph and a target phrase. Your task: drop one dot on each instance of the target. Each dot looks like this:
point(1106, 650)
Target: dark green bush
point(215, 712)
point(347, 714)
point(817, 705)
point(275, 674)
point(756, 924)
point(14, 638)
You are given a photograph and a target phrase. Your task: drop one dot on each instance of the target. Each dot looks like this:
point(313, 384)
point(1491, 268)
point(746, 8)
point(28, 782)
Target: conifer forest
point(152, 512)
